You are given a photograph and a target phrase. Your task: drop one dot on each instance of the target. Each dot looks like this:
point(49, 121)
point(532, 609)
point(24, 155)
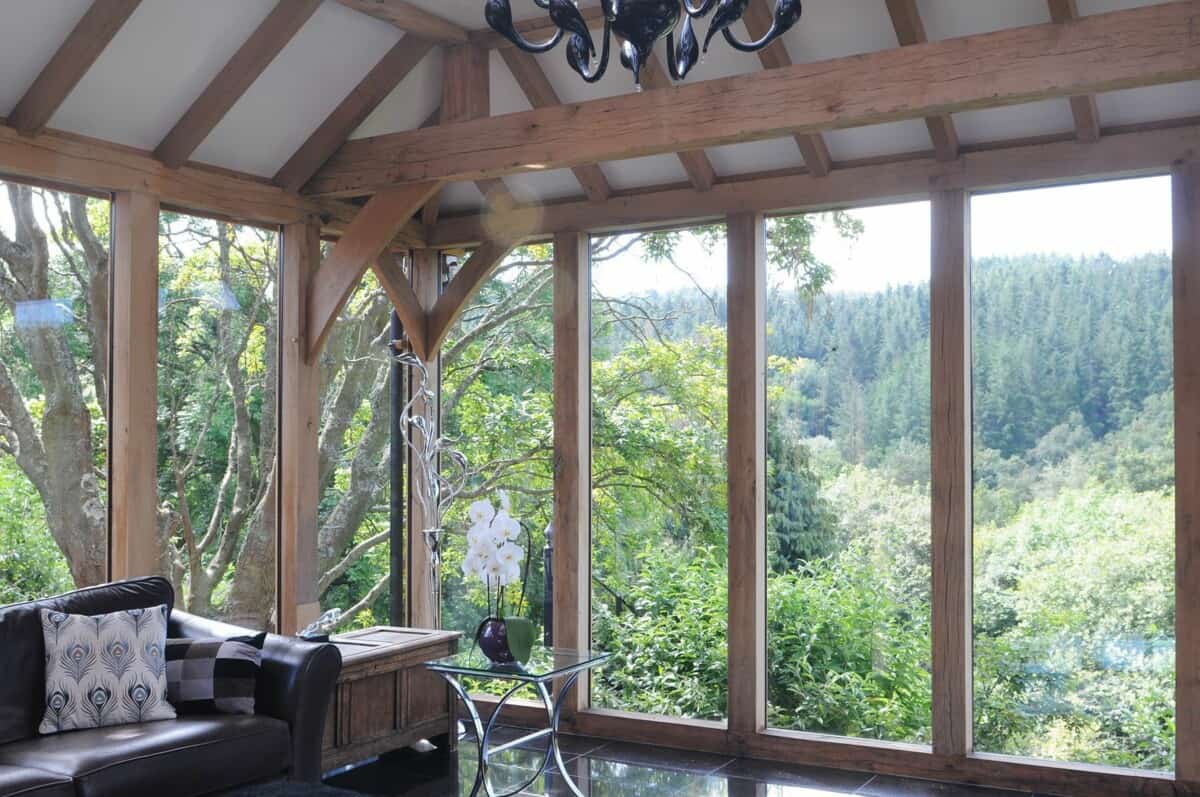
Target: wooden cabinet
point(385, 698)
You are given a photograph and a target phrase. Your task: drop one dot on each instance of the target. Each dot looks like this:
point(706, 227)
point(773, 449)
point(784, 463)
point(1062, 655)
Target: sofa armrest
point(296, 683)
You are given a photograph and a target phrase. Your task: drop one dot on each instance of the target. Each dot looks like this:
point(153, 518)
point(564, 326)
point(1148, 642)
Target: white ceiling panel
point(1103, 6)
point(841, 28)
point(894, 138)
point(469, 13)
point(301, 87)
point(755, 156)
point(461, 198)
point(544, 186)
point(947, 19)
point(169, 50)
point(30, 34)
point(1014, 121)
point(1150, 104)
point(410, 103)
point(641, 172)
point(507, 95)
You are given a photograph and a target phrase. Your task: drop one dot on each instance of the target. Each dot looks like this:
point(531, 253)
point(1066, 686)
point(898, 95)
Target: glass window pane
point(354, 541)
point(848, 473)
point(1074, 474)
point(218, 382)
point(54, 310)
point(659, 484)
point(498, 408)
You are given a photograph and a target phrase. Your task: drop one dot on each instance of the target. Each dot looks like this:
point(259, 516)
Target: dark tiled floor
point(615, 769)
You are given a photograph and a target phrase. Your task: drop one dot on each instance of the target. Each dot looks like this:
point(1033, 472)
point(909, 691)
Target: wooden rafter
point(1016, 164)
point(411, 19)
point(1083, 106)
point(536, 86)
point(758, 18)
point(695, 162)
point(466, 283)
point(365, 240)
point(391, 278)
point(251, 59)
point(353, 111)
point(1122, 49)
point(83, 46)
point(537, 29)
point(910, 30)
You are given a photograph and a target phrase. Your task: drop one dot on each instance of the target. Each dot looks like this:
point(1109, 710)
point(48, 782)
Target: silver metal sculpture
point(440, 471)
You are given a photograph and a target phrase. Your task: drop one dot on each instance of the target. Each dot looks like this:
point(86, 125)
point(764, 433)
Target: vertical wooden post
point(747, 390)
point(1185, 180)
point(299, 427)
point(466, 95)
point(426, 271)
point(572, 449)
point(950, 331)
point(135, 549)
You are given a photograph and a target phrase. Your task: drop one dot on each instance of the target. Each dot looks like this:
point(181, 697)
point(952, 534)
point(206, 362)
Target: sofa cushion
point(23, 652)
point(25, 782)
point(182, 757)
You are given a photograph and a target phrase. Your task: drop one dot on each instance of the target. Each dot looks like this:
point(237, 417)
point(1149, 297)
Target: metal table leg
point(483, 735)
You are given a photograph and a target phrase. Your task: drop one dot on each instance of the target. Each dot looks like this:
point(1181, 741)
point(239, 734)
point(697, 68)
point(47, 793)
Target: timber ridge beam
point(1122, 152)
point(1104, 52)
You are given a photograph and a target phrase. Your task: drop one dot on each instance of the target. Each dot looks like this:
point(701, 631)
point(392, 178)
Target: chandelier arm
point(535, 48)
point(602, 67)
point(543, 4)
point(700, 11)
point(750, 47)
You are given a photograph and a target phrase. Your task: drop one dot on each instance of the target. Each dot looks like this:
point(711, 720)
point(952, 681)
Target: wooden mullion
point(426, 276)
point(1186, 222)
point(950, 335)
point(133, 446)
point(572, 450)
point(747, 363)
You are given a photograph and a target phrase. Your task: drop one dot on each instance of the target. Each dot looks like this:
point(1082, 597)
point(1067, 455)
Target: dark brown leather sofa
point(176, 758)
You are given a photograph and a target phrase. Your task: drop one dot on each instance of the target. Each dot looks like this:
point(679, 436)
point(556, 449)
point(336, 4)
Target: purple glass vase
point(492, 638)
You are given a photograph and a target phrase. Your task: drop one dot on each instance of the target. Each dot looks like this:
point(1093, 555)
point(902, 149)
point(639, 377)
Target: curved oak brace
point(462, 289)
point(404, 301)
point(365, 240)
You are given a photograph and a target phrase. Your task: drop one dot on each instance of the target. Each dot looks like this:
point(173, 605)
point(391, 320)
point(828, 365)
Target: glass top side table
point(544, 667)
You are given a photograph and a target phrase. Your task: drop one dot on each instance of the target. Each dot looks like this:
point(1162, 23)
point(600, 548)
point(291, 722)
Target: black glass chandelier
point(639, 24)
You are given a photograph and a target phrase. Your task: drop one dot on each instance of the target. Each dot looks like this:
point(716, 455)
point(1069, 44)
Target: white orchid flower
point(481, 512)
point(505, 527)
point(497, 574)
point(505, 503)
point(481, 536)
point(510, 554)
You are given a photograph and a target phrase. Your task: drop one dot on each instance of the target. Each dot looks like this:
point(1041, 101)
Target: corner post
point(950, 332)
point(135, 549)
point(423, 611)
point(572, 451)
point(747, 397)
point(299, 429)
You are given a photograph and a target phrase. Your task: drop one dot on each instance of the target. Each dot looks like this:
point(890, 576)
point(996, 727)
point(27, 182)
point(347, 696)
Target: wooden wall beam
point(910, 30)
point(426, 274)
point(758, 19)
point(396, 285)
point(383, 78)
point(1083, 107)
point(572, 450)
point(1185, 180)
point(536, 86)
point(1121, 49)
point(950, 297)
point(299, 427)
point(747, 394)
point(133, 450)
point(411, 19)
point(246, 65)
point(1149, 151)
point(466, 283)
point(70, 63)
point(365, 239)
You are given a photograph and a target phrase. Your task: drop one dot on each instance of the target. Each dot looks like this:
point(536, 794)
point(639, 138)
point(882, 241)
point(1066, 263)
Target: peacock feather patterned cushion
point(107, 669)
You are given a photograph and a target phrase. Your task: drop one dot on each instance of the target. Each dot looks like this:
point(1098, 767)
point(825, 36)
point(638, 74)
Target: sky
point(1122, 218)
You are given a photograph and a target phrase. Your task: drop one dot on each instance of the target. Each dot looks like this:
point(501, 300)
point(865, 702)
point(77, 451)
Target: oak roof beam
point(1083, 106)
point(910, 31)
point(410, 19)
point(70, 63)
point(245, 67)
point(1121, 49)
